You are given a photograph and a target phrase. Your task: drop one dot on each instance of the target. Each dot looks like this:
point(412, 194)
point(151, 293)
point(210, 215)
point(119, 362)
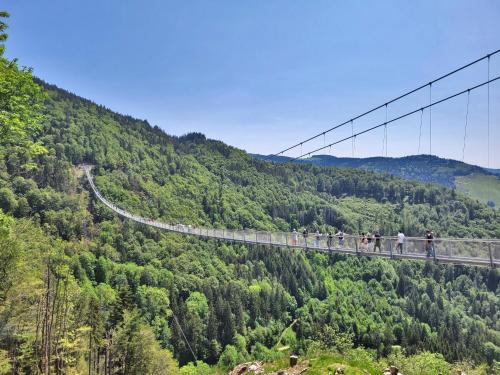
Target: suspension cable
point(466, 123)
point(402, 116)
point(420, 129)
point(430, 120)
point(385, 129)
point(383, 142)
point(185, 339)
point(382, 105)
point(353, 138)
point(488, 110)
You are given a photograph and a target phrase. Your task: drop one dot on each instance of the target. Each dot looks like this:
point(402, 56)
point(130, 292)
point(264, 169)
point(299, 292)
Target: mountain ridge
point(423, 168)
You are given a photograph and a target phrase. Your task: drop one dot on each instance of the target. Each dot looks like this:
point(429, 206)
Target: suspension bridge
point(462, 251)
point(476, 252)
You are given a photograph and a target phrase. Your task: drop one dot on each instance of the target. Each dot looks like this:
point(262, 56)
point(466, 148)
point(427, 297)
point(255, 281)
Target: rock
point(340, 370)
point(242, 370)
point(245, 368)
point(393, 370)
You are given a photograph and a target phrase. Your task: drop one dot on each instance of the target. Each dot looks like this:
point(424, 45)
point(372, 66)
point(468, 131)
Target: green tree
point(3, 34)
point(136, 351)
point(21, 101)
point(229, 357)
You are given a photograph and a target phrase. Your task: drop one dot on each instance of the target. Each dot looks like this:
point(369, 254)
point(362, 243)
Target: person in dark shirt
point(429, 243)
point(378, 242)
point(329, 240)
point(305, 234)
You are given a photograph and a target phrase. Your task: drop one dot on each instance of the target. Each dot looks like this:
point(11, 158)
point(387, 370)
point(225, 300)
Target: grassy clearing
point(482, 187)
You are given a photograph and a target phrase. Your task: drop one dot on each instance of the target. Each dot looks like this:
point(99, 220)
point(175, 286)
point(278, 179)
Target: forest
point(424, 168)
point(82, 291)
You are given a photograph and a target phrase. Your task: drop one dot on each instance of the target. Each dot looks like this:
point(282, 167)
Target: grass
point(357, 362)
point(326, 364)
point(482, 187)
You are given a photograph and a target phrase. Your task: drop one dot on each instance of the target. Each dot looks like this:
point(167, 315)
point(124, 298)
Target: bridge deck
point(478, 252)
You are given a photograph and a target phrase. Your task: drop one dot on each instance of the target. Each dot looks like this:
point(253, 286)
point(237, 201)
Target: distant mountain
point(477, 182)
point(494, 171)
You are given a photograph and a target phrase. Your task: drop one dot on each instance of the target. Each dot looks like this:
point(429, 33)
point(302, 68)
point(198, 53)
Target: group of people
point(317, 238)
point(371, 242)
point(368, 242)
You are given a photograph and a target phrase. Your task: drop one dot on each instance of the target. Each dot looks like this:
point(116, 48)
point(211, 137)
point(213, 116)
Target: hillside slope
point(424, 168)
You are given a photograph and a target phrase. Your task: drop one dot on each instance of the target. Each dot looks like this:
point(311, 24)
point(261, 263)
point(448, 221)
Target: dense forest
point(424, 168)
point(82, 291)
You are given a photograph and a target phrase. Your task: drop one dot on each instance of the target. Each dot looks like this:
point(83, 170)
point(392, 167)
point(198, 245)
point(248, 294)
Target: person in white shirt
point(340, 236)
point(400, 241)
point(317, 238)
point(295, 237)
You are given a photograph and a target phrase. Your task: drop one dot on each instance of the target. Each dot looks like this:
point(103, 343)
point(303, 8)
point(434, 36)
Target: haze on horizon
point(264, 75)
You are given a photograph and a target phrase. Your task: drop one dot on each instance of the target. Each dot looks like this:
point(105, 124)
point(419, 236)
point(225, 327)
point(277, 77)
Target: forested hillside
point(82, 291)
point(423, 168)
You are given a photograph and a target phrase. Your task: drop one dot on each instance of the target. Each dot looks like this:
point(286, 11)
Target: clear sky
point(264, 74)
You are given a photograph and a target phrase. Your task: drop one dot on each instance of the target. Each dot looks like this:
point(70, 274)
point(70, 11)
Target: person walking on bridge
point(317, 239)
point(329, 240)
point(369, 238)
point(340, 236)
point(305, 235)
point(364, 242)
point(400, 241)
point(429, 243)
point(295, 237)
point(378, 242)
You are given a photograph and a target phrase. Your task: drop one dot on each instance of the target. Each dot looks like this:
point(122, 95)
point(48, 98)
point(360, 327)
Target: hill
point(424, 168)
point(82, 290)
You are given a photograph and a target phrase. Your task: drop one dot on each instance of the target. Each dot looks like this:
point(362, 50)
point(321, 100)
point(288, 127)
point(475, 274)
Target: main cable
point(386, 103)
point(400, 117)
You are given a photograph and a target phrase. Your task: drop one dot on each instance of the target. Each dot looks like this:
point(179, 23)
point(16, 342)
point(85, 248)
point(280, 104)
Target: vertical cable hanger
point(488, 116)
point(420, 129)
point(385, 130)
point(384, 134)
point(466, 123)
point(353, 140)
point(383, 143)
point(488, 111)
point(430, 119)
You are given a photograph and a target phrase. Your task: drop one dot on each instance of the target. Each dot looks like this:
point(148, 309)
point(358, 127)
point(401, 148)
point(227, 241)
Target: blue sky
point(264, 74)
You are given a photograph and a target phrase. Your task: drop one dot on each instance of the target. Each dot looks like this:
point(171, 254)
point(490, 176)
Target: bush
point(229, 357)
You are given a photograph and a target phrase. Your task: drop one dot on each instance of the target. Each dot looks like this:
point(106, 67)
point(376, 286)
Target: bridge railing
point(484, 251)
